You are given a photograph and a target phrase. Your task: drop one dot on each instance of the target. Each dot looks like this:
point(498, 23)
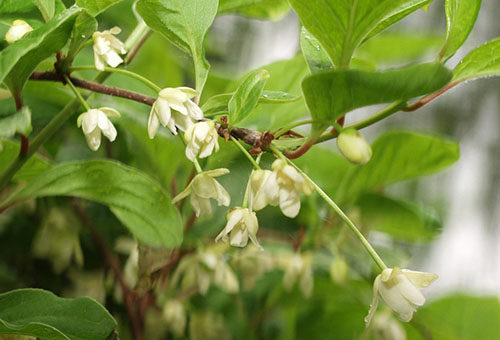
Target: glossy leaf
point(94, 7)
point(247, 96)
point(341, 27)
point(185, 24)
point(85, 26)
point(316, 57)
point(138, 201)
point(401, 220)
point(31, 169)
point(19, 59)
point(461, 16)
point(217, 105)
point(484, 61)
point(19, 122)
point(41, 314)
point(398, 156)
point(26, 10)
point(46, 7)
point(260, 9)
point(329, 95)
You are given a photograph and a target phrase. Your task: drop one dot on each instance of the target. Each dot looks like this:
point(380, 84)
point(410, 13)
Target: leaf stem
point(287, 128)
point(77, 93)
point(339, 211)
point(245, 152)
point(131, 74)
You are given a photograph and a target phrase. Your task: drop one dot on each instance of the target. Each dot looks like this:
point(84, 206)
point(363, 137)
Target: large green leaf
point(260, 9)
point(458, 317)
point(94, 7)
point(316, 57)
point(46, 7)
point(329, 95)
point(85, 26)
point(136, 199)
point(19, 59)
point(28, 11)
point(31, 169)
point(19, 122)
point(460, 18)
point(398, 156)
point(484, 61)
point(247, 95)
point(184, 23)
point(341, 26)
point(41, 314)
point(402, 220)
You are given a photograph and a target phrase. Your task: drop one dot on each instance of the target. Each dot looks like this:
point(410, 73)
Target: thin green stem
point(139, 32)
point(197, 165)
point(131, 74)
point(339, 211)
point(245, 152)
point(291, 126)
point(77, 93)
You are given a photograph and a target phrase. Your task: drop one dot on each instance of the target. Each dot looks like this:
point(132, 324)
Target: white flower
point(185, 112)
point(202, 188)
point(95, 121)
point(18, 30)
point(242, 224)
point(225, 278)
point(385, 327)
point(298, 268)
point(175, 317)
point(263, 189)
point(400, 289)
point(290, 184)
point(354, 147)
point(201, 139)
point(107, 48)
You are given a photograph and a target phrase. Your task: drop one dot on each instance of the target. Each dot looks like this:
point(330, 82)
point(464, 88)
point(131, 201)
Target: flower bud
point(242, 224)
point(18, 30)
point(354, 147)
point(339, 270)
point(201, 139)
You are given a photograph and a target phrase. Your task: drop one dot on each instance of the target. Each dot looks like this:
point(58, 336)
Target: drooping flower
point(107, 48)
point(400, 289)
point(298, 269)
point(18, 30)
point(291, 183)
point(95, 121)
point(385, 327)
point(174, 314)
point(354, 147)
point(174, 108)
point(201, 139)
point(202, 188)
point(263, 189)
point(242, 224)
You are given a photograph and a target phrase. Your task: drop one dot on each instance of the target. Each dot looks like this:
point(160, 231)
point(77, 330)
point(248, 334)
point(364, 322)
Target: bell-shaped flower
point(107, 48)
point(174, 314)
point(263, 189)
point(242, 224)
point(225, 278)
point(354, 147)
point(202, 188)
point(385, 327)
point(298, 269)
point(201, 139)
point(18, 30)
point(290, 183)
point(174, 109)
point(400, 289)
point(95, 121)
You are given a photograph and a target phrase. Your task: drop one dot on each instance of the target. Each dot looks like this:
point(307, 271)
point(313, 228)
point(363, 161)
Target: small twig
point(425, 100)
point(190, 222)
point(300, 237)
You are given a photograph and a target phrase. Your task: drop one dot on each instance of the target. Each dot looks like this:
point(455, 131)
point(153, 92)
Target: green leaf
point(483, 61)
point(259, 9)
point(41, 314)
point(31, 169)
point(402, 220)
point(316, 57)
point(459, 317)
point(19, 59)
point(27, 10)
point(85, 26)
point(94, 7)
point(329, 95)
point(138, 201)
point(398, 156)
point(218, 105)
point(341, 27)
point(47, 8)
point(460, 18)
point(185, 24)
point(19, 122)
point(247, 95)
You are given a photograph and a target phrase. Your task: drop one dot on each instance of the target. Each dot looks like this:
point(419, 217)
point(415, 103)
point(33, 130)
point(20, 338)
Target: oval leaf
point(31, 169)
point(260, 9)
point(316, 57)
point(484, 61)
point(329, 95)
point(94, 7)
point(185, 24)
point(41, 314)
point(247, 96)
point(137, 200)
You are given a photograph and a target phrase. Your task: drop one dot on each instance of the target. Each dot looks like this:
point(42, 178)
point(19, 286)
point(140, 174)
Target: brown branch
point(425, 100)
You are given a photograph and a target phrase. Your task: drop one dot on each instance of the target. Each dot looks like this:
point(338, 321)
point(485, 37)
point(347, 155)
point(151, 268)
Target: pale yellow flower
point(242, 224)
point(107, 48)
point(96, 121)
point(201, 139)
point(263, 189)
point(18, 30)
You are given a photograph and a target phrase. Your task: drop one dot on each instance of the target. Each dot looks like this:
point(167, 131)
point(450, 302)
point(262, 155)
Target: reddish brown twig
point(430, 97)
